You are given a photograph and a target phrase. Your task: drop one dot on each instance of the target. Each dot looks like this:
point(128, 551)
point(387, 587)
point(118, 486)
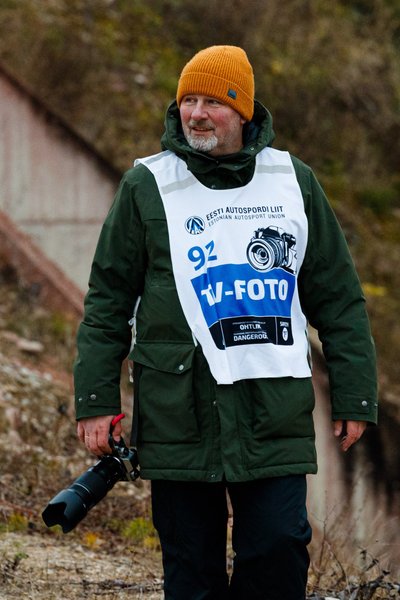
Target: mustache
point(201, 123)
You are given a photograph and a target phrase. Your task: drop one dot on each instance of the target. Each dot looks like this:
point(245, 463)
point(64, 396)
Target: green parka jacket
point(190, 428)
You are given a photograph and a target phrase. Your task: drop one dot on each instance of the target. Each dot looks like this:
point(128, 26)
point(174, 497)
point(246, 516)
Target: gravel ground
point(35, 567)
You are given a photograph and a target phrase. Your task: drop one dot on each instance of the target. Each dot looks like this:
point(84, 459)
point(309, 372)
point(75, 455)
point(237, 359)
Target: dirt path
point(35, 567)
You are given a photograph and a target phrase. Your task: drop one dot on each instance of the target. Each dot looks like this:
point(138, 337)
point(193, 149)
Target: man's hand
point(94, 432)
point(350, 430)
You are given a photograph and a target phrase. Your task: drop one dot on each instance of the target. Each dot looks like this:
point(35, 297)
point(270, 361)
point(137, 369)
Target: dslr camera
point(272, 247)
point(71, 505)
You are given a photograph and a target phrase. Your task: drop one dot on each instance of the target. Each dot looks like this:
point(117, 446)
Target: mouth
point(200, 129)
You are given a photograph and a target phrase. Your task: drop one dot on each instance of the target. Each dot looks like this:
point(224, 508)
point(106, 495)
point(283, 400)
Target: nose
point(199, 111)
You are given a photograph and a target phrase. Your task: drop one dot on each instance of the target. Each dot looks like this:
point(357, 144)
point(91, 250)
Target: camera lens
point(71, 505)
point(265, 254)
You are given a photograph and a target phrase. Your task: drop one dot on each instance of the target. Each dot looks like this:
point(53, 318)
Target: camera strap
point(135, 408)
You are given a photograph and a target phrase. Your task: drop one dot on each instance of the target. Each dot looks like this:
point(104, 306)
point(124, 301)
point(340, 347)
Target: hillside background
point(328, 71)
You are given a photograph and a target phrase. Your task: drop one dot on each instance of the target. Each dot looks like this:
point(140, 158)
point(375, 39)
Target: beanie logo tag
point(232, 94)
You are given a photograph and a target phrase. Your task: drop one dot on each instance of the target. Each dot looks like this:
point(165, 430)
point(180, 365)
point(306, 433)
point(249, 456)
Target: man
point(232, 249)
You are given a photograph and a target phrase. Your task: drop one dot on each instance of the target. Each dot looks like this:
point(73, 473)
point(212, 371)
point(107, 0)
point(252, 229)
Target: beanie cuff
point(219, 88)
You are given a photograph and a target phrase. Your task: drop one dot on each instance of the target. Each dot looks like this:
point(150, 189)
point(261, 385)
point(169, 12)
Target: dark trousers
point(269, 538)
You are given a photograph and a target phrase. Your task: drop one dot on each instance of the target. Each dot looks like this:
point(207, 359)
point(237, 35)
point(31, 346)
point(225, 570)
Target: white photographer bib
point(236, 254)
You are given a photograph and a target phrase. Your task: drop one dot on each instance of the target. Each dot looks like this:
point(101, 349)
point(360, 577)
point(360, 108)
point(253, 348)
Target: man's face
point(211, 126)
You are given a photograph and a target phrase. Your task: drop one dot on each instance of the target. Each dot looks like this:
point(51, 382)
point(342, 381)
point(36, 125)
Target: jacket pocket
point(164, 392)
point(284, 410)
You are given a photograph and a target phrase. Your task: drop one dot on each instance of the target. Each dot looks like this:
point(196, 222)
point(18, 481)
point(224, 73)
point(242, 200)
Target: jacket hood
point(257, 134)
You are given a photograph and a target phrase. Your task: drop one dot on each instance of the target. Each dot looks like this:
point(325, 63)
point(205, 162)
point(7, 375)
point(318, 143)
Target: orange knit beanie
point(221, 72)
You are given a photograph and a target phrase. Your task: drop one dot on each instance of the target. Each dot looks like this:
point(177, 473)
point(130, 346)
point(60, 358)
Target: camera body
point(272, 247)
point(71, 505)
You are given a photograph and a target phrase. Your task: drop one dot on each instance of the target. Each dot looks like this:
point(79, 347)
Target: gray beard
point(202, 144)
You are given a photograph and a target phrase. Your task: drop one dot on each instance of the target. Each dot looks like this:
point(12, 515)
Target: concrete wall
point(52, 184)
point(38, 274)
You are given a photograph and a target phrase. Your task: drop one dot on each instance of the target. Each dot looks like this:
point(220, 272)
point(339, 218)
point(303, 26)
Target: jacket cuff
point(354, 408)
point(95, 404)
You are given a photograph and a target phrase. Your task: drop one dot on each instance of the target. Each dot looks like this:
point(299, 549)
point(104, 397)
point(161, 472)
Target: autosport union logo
point(194, 225)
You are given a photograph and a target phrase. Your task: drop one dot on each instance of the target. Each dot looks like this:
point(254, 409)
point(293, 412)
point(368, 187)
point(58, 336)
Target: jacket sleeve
point(116, 281)
point(334, 304)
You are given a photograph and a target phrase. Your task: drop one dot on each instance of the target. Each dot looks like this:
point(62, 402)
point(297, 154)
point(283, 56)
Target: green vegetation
point(15, 522)
point(329, 71)
point(140, 531)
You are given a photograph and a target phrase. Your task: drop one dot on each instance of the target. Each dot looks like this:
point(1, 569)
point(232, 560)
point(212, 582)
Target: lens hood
point(71, 505)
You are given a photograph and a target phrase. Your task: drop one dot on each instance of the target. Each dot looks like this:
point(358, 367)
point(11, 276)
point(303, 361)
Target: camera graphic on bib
point(270, 248)
point(250, 302)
